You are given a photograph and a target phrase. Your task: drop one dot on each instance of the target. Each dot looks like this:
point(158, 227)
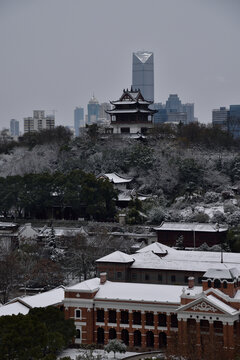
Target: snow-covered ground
point(74, 352)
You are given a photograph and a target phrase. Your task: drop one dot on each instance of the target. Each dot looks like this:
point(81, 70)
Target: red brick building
point(161, 264)
point(193, 234)
point(150, 316)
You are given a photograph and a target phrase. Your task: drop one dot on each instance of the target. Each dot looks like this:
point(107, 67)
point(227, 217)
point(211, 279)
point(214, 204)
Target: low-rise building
point(161, 264)
point(150, 316)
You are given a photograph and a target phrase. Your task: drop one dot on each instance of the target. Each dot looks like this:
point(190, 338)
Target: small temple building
point(131, 113)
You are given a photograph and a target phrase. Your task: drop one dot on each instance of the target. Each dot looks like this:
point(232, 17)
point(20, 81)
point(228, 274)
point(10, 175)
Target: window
point(162, 320)
point(186, 279)
point(174, 321)
point(134, 276)
point(200, 280)
point(78, 314)
point(78, 335)
point(209, 283)
point(217, 283)
point(173, 278)
point(137, 318)
point(124, 317)
point(119, 275)
point(112, 316)
point(225, 285)
point(125, 130)
point(149, 319)
point(100, 315)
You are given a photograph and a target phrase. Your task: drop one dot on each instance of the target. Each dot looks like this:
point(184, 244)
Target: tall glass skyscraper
point(143, 73)
point(78, 119)
point(93, 111)
point(14, 127)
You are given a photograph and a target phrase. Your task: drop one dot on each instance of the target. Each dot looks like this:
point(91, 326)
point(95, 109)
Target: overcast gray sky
point(56, 53)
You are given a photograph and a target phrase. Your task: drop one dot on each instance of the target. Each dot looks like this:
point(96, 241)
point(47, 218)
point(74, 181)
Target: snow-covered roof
point(48, 298)
point(222, 273)
point(117, 179)
point(22, 305)
point(7, 224)
point(87, 285)
point(14, 309)
point(175, 226)
point(122, 291)
point(150, 257)
point(221, 305)
point(117, 256)
point(157, 248)
point(142, 292)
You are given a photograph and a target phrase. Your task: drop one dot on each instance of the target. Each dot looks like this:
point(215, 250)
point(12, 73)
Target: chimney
point(191, 282)
point(103, 278)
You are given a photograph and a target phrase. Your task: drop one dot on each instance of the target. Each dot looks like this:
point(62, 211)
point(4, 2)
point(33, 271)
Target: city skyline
point(55, 54)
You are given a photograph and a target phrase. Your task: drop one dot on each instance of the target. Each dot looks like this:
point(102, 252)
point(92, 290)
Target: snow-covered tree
point(115, 346)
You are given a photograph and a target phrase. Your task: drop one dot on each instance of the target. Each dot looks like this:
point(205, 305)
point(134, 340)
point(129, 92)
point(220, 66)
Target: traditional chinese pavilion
point(131, 113)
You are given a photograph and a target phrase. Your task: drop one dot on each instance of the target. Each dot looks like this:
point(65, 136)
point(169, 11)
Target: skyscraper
point(14, 127)
point(78, 119)
point(93, 111)
point(143, 73)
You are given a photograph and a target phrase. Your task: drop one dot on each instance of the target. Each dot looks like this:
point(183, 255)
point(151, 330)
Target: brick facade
point(204, 318)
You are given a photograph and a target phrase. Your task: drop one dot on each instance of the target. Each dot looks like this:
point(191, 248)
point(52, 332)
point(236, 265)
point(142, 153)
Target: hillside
point(190, 177)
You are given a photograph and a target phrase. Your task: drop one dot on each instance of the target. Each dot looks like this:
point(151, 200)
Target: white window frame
point(79, 340)
point(75, 314)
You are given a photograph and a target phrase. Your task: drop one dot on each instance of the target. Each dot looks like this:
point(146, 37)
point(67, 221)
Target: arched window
point(217, 284)
point(162, 339)
point(112, 334)
point(150, 339)
point(137, 338)
point(209, 283)
point(100, 336)
point(78, 314)
point(125, 337)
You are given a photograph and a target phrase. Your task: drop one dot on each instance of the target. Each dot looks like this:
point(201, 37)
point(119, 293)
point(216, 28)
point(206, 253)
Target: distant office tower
point(103, 116)
point(234, 120)
point(78, 119)
point(173, 103)
point(143, 74)
point(161, 115)
point(220, 117)
point(39, 121)
point(188, 108)
point(228, 119)
point(93, 111)
point(14, 127)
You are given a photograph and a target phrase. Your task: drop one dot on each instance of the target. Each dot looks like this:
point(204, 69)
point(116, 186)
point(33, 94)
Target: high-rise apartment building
point(143, 73)
point(14, 127)
point(39, 121)
point(93, 110)
point(78, 119)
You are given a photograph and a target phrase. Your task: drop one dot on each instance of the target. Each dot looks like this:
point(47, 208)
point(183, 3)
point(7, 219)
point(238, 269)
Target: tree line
point(72, 195)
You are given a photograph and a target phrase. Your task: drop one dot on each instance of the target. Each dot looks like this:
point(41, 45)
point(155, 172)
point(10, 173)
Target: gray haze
point(56, 53)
